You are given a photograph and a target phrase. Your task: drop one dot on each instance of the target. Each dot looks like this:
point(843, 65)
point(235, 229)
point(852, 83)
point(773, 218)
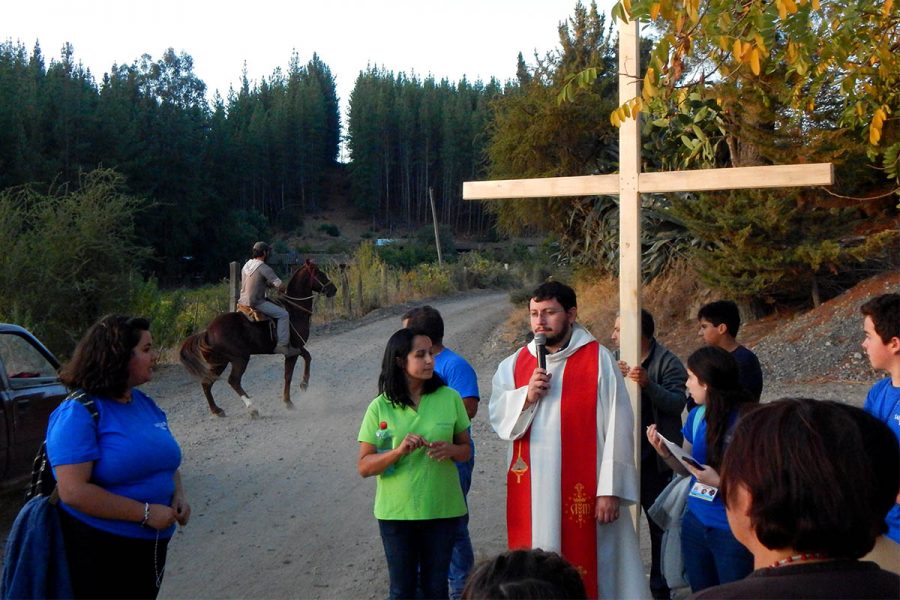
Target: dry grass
point(598, 303)
point(673, 299)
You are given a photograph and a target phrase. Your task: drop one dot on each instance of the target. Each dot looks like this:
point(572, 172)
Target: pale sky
point(446, 38)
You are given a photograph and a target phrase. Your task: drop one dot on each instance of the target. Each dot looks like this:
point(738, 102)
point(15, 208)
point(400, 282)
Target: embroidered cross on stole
point(578, 459)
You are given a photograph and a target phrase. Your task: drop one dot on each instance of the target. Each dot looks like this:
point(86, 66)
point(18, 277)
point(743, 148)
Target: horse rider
point(256, 276)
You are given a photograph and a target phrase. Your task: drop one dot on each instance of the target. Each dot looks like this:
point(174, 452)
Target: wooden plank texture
point(547, 187)
point(671, 181)
point(737, 178)
point(630, 230)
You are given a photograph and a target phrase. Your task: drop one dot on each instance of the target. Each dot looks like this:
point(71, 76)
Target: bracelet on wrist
point(146, 514)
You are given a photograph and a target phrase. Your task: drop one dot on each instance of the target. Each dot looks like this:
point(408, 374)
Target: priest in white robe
point(571, 472)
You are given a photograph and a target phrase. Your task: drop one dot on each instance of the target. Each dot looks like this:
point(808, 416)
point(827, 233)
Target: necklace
point(159, 574)
point(804, 557)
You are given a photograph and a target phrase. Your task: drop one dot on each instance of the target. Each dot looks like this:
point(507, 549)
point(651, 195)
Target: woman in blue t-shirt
point(711, 554)
point(117, 475)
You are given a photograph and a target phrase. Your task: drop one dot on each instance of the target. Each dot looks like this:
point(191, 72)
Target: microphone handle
point(542, 356)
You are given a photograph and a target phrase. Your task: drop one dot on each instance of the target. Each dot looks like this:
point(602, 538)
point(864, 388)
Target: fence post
point(360, 305)
point(234, 289)
point(345, 290)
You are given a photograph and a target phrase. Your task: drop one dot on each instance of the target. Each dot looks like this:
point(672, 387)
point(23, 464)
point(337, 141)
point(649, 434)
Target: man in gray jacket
point(662, 378)
point(256, 277)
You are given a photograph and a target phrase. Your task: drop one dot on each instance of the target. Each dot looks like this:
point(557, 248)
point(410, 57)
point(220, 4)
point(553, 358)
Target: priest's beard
point(561, 337)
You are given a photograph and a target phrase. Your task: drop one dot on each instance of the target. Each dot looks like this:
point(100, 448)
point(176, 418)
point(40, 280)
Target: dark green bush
point(71, 256)
point(331, 229)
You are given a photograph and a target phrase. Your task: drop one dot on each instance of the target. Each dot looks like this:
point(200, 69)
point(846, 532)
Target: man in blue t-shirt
point(458, 374)
point(882, 344)
point(719, 324)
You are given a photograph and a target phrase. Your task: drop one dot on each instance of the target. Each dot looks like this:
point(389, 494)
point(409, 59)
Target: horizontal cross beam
point(670, 181)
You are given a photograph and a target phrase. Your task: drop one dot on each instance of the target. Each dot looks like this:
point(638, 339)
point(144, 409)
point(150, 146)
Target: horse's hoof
point(254, 414)
point(289, 405)
point(304, 385)
point(218, 413)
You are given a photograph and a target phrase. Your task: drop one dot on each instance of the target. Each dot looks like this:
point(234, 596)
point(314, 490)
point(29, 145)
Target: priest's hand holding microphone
point(539, 384)
point(607, 507)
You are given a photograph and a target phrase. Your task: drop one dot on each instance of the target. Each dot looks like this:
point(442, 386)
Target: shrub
point(406, 255)
point(425, 238)
point(474, 270)
point(70, 256)
point(176, 314)
point(428, 280)
point(331, 229)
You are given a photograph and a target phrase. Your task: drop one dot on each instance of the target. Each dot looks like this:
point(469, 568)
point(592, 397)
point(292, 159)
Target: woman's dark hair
point(99, 364)
point(524, 574)
point(821, 475)
point(718, 369)
point(392, 380)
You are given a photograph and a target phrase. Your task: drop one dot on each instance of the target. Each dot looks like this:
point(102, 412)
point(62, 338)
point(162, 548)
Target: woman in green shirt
point(410, 436)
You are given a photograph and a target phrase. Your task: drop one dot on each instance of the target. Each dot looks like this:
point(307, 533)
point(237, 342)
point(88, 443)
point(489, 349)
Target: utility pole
point(437, 236)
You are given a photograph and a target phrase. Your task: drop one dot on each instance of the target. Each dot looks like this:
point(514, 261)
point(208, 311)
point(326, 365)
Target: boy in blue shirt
point(719, 323)
point(881, 324)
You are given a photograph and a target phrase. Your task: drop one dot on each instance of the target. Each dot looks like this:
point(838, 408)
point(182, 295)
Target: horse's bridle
point(294, 301)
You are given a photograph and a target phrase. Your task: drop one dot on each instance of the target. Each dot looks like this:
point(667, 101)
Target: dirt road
point(278, 508)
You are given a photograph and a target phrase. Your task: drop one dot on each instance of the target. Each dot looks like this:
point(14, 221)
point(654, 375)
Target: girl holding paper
point(711, 553)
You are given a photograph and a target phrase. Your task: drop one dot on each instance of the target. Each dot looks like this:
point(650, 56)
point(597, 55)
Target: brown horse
point(232, 338)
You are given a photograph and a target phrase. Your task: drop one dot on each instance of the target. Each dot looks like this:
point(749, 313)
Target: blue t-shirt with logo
point(883, 401)
point(133, 451)
point(711, 514)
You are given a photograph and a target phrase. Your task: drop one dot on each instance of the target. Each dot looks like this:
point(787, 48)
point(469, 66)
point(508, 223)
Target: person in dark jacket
point(662, 377)
point(807, 484)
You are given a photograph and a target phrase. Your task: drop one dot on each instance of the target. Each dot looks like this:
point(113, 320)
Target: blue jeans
point(463, 556)
point(418, 549)
point(712, 556)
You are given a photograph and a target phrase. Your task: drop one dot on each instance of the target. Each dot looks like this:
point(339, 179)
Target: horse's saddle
point(252, 314)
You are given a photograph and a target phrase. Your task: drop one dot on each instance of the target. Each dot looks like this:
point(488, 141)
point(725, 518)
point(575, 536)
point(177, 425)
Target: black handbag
point(43, 483)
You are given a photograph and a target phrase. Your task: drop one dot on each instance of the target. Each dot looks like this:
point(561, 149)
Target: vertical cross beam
point(630, 225)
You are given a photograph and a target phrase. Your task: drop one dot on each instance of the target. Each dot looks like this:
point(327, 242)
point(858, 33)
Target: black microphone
point(540, 346)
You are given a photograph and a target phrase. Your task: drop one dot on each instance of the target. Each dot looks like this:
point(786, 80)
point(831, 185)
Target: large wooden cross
point(629, 183)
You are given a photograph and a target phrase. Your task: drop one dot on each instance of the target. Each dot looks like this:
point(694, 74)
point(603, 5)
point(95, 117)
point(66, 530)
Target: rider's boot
point(286, 350)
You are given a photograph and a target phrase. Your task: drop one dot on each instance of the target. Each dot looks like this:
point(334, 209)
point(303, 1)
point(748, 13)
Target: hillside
point(818, 346)
point(824, 344)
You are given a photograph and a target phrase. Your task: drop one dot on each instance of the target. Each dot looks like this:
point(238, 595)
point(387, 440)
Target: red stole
point(578, 458)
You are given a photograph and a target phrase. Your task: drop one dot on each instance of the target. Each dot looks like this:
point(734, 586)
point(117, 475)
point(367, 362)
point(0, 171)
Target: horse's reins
point(295, 302)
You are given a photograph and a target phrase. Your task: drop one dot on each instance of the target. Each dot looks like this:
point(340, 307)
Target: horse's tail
point(191, 356)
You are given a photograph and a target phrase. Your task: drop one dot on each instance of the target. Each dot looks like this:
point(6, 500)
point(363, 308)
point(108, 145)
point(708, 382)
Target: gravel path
point(279, 510)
